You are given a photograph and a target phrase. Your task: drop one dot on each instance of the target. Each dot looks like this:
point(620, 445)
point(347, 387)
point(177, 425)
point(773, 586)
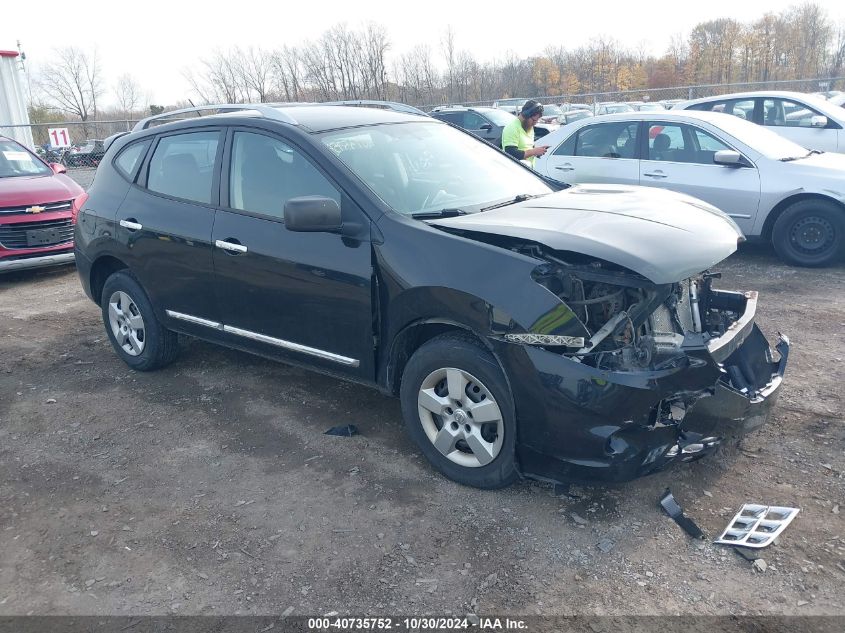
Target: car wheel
point(458, 409)
point(137, 336)
point(810, 233)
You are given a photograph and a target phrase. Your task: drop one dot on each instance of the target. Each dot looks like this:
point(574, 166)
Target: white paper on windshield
point(17, 156)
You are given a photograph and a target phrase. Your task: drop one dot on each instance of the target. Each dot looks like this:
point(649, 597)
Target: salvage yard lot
point(210, 488)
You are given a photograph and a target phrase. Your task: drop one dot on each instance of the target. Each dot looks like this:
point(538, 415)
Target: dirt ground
point(210, 488)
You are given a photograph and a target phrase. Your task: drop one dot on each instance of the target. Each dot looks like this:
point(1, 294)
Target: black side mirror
point(486, 127)
point(313, 214)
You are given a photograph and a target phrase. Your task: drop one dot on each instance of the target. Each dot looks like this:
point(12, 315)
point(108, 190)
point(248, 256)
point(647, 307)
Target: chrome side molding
point(263, 338)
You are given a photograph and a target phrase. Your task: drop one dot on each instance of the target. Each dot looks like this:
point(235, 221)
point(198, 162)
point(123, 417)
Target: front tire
point(810, 233)
point(459, 410)
point(137, 336)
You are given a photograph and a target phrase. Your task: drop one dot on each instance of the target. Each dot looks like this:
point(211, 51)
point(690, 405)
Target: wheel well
point(410, 340)
point(102, 269)
point(781, 206)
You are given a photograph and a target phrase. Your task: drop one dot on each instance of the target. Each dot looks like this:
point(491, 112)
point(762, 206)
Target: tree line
point(801, 42)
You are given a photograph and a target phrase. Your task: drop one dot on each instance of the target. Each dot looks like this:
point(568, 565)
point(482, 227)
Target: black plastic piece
point(668, 503)
point(347, 430)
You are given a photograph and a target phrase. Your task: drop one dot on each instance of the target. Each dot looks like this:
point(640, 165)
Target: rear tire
point(137, 336)
point(459, 410)
point(810, 233)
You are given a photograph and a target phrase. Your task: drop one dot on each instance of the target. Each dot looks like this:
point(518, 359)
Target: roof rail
point(388, 105)
point(263, 109)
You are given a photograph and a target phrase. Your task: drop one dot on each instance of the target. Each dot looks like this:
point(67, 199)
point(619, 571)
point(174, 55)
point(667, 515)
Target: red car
point(38, 208)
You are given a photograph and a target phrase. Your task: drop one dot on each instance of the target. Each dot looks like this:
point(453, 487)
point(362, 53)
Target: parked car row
point(85, 154)
point(774, 189)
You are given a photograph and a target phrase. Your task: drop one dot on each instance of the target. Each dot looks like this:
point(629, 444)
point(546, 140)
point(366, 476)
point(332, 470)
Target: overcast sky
point(156, 41)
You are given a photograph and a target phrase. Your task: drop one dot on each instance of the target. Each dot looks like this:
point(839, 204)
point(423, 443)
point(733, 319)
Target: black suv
point(528, 328)
point(485, 123)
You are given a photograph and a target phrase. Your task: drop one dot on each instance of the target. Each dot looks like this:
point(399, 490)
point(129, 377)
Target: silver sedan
point(772, 188)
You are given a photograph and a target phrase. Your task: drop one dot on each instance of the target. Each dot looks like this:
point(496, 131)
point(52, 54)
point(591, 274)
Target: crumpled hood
point(660, 234)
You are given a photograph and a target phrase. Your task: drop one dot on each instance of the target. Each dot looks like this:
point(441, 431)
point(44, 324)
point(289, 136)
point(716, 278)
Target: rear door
point(164, 223)
point(301, 296)
point(598, 153)
point(680, 158)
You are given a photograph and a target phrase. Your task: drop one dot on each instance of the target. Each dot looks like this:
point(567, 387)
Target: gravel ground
point(210, 488)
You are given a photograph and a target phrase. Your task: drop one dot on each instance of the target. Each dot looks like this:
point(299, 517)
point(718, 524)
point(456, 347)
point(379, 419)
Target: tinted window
point(265, 173)
point(451, 117)
point(473, 121)
point(610, 140)
point(183, 166)
point(130, 157)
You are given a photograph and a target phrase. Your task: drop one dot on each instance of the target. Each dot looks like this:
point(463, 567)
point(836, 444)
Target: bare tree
point(72, 83)
point(449, 54)
point(256, 70)
point(128, 94)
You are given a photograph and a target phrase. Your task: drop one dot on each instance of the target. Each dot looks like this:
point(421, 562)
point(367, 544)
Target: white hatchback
point(807, 119)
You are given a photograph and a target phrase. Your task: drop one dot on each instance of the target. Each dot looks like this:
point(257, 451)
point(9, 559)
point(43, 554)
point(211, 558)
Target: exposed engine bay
point(633, 323)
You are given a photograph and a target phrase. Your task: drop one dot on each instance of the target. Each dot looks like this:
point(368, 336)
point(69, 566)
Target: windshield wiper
point(441, 213)
point(520, 198)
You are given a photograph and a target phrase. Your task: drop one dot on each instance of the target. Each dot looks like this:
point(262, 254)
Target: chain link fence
point(74, 144)
point(678, 93)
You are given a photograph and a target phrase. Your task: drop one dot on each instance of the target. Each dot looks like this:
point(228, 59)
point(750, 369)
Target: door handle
point(565, 167)
point(232, 247)
point(655, 174)
point(131, 224)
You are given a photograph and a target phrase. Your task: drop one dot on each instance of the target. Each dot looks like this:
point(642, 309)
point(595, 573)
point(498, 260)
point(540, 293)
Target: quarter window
point(182, 166)
point(130, 157)
point(265, 173)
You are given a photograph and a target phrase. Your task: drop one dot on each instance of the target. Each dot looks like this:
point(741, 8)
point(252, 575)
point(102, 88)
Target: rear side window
point(182, 166)
point(130, 157)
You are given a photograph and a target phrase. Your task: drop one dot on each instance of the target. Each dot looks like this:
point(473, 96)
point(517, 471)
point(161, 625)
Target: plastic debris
point(347, 430)
point(674, 510)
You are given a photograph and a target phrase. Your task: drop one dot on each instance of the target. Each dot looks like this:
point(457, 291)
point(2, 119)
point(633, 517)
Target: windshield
point(428, 167)
point(761, 139)
point(651, 107)
point(551, 110)
point(15, 160)
point(499, 117)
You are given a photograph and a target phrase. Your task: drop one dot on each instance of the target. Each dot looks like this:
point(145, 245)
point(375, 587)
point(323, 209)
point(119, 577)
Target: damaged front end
point(634, 375)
